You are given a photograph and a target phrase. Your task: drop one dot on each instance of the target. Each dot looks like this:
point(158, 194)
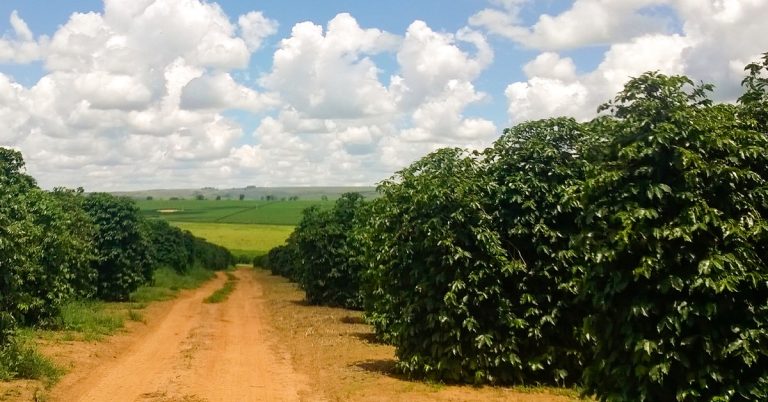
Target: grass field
point(241, 239)
point(229, 211)
point(247, 228)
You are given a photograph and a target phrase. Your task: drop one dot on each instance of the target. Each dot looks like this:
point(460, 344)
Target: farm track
point(193, 351)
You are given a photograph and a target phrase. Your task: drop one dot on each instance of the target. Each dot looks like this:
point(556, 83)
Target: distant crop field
point(241, 239)
point(229, 211)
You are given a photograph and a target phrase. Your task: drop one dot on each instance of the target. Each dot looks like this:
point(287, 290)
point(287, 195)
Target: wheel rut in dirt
point(195, 351)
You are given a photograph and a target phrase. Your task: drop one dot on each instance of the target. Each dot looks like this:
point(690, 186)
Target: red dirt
point(263, 343)
point(193, 352)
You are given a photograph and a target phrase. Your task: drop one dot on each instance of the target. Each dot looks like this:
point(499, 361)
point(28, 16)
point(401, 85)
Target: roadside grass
point(20, 360)
point(223, 292)
point(134, 315)
point(167, 282)
point(91, 319)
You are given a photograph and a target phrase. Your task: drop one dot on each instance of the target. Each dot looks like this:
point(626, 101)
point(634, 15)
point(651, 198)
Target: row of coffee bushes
point(60, 245)
point(627, 255)
point(321, 255)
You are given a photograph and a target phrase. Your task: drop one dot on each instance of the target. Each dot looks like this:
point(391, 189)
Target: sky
point(128, 95)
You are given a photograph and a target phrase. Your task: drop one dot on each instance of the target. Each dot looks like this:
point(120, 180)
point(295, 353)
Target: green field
point(229, 211)
point(242, 239)
point(247, 228)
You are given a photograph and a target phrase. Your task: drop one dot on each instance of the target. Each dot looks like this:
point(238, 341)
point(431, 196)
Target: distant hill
point(250, 193)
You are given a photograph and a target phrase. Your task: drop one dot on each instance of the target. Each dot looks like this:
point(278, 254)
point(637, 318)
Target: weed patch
point(168, 282)
point(20, 360)
point(92, 319)
point(223, 292)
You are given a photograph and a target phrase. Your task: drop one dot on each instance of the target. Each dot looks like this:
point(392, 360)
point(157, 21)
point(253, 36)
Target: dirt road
point(193, 351)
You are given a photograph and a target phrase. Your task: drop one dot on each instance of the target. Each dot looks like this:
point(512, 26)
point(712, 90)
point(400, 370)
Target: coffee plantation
point(626, 255)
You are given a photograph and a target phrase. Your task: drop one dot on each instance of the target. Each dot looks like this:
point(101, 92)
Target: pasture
point(241, 239)
point(248, 228)
point(229, 211)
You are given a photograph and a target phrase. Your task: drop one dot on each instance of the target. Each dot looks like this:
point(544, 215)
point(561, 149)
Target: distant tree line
point(60, 245)
point(627, 254)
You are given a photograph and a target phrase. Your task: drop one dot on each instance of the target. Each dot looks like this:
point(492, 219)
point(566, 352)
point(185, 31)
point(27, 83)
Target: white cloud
point(587, 22)
point(550, 65)
point(137, 95)
point(143, 84)
point(20, 28)
point(255, 27)
point(22, 46)
point(435, 87)
point(330, 74)
point(716, 41)
point(554, 89)
point(338, 115)
point(726, 35)
point(430, 60)
point(220, 91)
point(13, 113)
point(440, 119)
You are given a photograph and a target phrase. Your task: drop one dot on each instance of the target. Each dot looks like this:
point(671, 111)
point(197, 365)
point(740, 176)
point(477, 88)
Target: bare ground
point(262, 344)
point(193, 352)
point(344, 362)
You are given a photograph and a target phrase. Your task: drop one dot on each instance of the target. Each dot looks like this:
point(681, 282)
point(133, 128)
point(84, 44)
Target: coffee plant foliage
point(63, 269)
point(209, 255)
point(45, 248)
point(441, 281)
point(280, 260)
point(123, 248)
point(172, 246)
point(18, 253)
point(321, 254)
point(754, 100)
point(536, 168)
point(674, 225)
point(327, 267)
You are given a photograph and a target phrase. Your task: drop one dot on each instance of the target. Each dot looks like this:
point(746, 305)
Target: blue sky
point(191, 93)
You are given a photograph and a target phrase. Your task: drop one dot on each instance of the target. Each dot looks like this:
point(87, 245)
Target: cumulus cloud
point(587, 22)
point(329, 74)
point(430, 60)
point(554, 89)
point(220, 91)
point(141, 93)
point(339, 115)
point(142, 83)
point(726, 36)
point(708, 48)
point(255, 27)
point(21, 47)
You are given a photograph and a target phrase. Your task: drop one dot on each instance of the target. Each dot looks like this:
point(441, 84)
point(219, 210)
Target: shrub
point(171, 246)
point(755, 98)
point(61, 269)
point(536, 167)
point(327, 267)
point(45, 245)
point(122, 245)
point(280, 260)
point(210, 255)
point(676, 281)
point(440, 279)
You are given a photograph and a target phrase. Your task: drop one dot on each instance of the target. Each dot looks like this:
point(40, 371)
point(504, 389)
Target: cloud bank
point(152, 93)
